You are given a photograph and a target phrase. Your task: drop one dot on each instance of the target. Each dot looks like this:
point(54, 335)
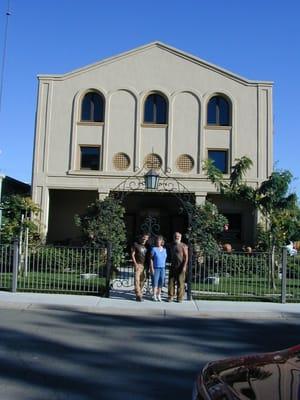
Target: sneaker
point(154, 298)
point(170, 299)
point(138, 298)
point(159, 297)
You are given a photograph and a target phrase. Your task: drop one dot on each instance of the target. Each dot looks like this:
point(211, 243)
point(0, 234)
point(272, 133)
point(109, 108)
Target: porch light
point(151, 179)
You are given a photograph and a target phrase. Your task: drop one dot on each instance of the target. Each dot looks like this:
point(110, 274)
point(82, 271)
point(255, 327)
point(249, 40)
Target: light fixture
point(151, 179)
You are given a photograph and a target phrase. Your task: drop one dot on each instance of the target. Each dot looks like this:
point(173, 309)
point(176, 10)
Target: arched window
point(92, 107)
point(218, 111)
point(155, 109)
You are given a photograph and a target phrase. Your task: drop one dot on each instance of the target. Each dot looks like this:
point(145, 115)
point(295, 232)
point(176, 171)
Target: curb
point(147, 312)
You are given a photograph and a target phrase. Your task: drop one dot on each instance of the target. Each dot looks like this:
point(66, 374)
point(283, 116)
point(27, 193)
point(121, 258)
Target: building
point(10, 186)
point(154, 106)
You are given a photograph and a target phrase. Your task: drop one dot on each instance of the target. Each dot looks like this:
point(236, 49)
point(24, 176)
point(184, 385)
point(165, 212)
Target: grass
point(254, 287)
point(55, 283)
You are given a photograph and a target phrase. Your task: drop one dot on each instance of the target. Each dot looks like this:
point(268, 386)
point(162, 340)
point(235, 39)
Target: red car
point(274, 376)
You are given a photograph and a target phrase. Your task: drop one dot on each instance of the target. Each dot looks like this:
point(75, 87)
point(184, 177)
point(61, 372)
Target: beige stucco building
point(98, 125)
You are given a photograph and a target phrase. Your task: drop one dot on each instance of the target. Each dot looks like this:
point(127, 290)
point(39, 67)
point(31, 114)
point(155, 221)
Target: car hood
point(258, 377)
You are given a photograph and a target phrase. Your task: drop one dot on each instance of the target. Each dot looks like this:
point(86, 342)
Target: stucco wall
point(124, 82)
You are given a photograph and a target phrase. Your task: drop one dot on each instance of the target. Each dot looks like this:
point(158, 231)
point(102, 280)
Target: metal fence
point(291, 277)
point(236, 276)
point(256, 276)
point(54, 269)
point(122, 277)
point(6, 266)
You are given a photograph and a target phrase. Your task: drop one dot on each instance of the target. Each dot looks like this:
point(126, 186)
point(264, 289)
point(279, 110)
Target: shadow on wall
point(64, 204)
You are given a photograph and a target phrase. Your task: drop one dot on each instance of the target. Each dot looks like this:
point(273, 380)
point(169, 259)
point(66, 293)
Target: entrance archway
point(163, 208)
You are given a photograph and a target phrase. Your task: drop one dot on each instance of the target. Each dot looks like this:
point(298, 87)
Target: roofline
point(13, 180)
point(182, 54)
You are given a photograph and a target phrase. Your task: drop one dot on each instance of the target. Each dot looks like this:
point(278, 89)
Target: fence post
point(15, 265)
point(190, 272)
point(108, 268)
point(283, 278)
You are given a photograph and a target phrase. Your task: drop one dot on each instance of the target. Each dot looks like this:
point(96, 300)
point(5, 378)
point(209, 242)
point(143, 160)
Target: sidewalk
point(120, 304)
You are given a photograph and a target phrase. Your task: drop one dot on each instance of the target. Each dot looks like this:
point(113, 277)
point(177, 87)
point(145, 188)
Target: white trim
point(170, 49)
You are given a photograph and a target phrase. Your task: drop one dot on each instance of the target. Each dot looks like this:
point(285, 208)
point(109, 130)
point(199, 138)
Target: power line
point(8, 13)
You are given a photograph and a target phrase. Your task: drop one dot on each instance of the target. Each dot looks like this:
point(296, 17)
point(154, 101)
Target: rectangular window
point(220, 159)
point(90, 157)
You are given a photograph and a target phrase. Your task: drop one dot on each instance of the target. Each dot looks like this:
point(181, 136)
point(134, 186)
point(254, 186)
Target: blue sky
point(257, 39)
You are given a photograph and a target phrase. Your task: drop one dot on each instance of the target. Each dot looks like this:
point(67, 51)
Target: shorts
point(158, 277)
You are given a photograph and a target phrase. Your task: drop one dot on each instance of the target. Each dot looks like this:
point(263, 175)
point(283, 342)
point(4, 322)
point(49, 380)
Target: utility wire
point(8, 13)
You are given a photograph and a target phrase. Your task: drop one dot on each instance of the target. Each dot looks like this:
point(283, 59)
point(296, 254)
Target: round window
point(185, 163)
point(153, 161)
point(121, 161)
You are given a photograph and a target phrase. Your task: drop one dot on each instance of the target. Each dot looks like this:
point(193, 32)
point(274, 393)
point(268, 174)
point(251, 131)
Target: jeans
point(159, 277)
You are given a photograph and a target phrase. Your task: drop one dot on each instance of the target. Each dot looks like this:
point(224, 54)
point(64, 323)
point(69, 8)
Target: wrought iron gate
point(122, 277)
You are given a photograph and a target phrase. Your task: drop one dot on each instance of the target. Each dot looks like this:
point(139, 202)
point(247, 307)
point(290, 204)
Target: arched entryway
point(165, 209)
point(154, 203)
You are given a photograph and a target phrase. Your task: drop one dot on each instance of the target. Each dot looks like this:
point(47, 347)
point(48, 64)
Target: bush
point(59, 259)
point(231, 265)
point(102, 223)
point(293, 267)
point(13, 208)
point(206, 224)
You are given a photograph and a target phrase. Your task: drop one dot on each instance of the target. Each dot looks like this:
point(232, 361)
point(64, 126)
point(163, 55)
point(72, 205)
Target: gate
point(149, 179)
point(122, 277)
point(122, 281)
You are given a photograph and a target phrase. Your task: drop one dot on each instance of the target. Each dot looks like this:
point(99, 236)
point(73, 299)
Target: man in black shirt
point(178, 268)
point(138, 256)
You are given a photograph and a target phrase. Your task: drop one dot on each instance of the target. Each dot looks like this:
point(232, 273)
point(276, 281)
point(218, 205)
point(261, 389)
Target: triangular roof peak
point(170, 49)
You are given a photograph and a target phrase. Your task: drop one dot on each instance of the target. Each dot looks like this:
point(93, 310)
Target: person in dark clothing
point(139, 256)
point(178, 268)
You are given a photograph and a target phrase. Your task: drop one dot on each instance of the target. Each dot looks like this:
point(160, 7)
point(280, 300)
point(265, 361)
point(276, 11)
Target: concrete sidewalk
point(117, 304)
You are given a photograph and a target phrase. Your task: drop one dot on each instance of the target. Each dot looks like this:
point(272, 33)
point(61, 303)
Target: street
point(52, 353)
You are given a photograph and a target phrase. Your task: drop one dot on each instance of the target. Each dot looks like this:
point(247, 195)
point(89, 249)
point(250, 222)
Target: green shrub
point(102, 223)
point(60, 259)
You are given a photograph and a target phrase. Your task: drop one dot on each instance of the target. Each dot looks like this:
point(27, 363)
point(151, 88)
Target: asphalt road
point(64, 354)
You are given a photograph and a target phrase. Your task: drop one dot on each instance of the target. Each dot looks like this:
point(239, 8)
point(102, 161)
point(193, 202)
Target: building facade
point(154, 106)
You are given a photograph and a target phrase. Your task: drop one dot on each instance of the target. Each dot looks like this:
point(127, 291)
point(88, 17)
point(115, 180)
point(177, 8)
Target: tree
point(103, 222)
point(206, 223)
point(235, 187)
point(20, 215)
point(271, 198)
point(294, 224)
point(278, 208)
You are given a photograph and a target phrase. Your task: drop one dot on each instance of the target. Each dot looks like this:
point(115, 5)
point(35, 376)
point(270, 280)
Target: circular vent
point(121, 161)
point(153, 161)
point(185, 163)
